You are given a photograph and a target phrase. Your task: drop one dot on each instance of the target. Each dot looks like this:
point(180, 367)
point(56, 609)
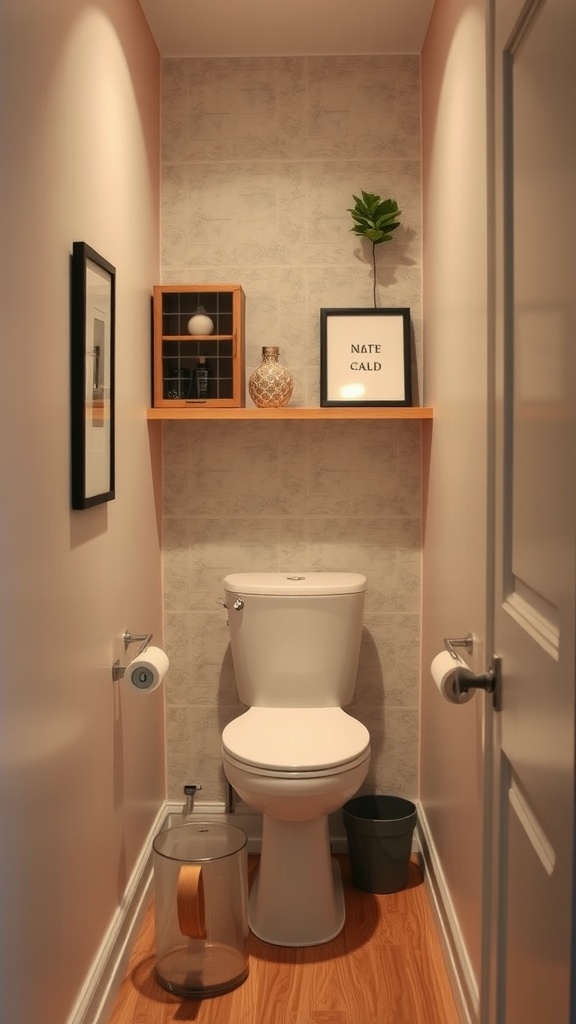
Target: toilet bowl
point(296, 766)
point(296, 756)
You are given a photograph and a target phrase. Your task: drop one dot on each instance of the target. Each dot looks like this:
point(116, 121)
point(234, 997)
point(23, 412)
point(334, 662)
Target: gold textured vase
point(270, 385)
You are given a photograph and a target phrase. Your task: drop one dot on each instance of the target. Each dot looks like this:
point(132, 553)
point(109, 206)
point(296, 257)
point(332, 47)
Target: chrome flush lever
point(238, 604)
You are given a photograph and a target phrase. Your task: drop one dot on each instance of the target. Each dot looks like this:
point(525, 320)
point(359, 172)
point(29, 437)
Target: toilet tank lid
point(297, 584)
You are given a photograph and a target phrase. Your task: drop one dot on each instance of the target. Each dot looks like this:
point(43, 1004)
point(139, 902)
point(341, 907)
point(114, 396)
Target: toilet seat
point(275, 773)
point(295, 742)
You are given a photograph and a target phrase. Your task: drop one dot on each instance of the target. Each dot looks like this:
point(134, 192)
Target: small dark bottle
point(200, 387)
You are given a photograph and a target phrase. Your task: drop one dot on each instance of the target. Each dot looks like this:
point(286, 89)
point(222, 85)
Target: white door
point(535, 505)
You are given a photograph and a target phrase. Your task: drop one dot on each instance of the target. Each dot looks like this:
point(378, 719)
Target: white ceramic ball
point(200, 323)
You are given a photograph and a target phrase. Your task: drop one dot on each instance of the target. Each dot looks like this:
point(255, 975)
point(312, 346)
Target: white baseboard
point(464, 986)
point(107, 972)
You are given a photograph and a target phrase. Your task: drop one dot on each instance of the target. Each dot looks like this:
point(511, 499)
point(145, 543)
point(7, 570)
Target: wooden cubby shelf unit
point(191, 366)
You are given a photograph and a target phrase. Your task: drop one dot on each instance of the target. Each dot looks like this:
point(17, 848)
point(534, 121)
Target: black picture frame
point(365, 357)
point(92, 377)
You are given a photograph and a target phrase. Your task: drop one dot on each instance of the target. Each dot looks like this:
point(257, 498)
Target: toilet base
point(297, 897)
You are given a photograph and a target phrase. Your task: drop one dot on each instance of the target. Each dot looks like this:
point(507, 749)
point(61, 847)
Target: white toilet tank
point(295, 637)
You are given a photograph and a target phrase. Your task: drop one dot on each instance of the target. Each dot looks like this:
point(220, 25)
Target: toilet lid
point(305, 584)
point(295, 739)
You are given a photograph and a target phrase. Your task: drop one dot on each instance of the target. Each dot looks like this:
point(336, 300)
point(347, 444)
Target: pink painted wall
point(81, 758)
point(455, 374)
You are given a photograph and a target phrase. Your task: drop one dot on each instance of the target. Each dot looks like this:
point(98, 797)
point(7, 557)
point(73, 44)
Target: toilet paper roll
point(148, 669)
point(443, 669)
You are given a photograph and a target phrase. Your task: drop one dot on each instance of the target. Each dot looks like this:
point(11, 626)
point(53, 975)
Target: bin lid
point(379, 808)
point(199, 841)
point(295, 739)
point(296, 584)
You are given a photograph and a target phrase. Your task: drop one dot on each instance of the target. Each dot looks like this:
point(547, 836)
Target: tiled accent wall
point(260, 160)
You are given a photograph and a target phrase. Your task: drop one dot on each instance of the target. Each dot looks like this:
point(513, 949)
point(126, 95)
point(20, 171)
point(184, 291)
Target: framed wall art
point(365, 357)
point(92, 318)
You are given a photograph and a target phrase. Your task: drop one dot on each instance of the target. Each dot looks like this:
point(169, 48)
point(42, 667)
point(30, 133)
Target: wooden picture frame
point(365, 357)
point(92, 377)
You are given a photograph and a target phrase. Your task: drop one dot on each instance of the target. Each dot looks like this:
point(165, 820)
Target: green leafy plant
point(375, 219)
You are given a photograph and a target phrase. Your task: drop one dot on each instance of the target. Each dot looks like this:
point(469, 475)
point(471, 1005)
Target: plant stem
point(374, 270)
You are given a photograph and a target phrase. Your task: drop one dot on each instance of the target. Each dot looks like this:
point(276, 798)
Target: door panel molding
point(536, 625)
point(529, 822)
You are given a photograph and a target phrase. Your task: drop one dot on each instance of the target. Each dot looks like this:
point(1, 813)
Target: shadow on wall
point(368, 705)
point(229, 704)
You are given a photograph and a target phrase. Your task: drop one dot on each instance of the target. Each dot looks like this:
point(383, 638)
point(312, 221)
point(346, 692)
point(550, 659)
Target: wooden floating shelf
point(294, 413)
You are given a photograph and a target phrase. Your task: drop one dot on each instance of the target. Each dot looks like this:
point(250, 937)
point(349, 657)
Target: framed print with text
point(365, 357)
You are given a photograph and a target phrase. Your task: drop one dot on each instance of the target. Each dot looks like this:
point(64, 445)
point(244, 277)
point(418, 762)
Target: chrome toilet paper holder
point(460, 641)
point(143, 639)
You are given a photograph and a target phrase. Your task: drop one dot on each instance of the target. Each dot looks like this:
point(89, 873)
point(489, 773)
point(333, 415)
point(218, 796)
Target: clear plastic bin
point(201, 908)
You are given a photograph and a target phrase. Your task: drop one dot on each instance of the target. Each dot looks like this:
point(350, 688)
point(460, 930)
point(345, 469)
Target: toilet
point(296, 756)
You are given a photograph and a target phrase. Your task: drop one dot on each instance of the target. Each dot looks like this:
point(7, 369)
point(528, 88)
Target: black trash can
point(379, 831)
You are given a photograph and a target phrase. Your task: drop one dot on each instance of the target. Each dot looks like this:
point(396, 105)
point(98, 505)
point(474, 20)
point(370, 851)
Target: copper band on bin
point(190, 900)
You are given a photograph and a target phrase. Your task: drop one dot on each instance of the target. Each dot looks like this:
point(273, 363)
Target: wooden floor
point(385, 967)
